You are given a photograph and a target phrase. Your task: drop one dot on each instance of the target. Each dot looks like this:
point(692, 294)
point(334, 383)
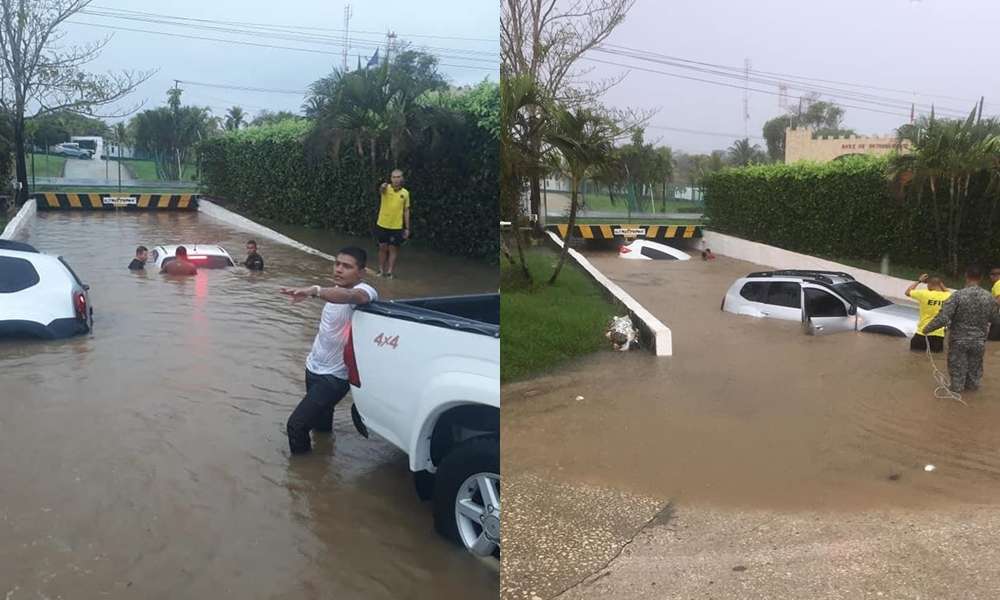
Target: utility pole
point(348, 13)
point(177, 151)
point(746, 98)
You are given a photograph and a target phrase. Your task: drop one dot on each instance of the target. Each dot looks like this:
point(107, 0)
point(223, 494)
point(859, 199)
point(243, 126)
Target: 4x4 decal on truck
point(383, 340)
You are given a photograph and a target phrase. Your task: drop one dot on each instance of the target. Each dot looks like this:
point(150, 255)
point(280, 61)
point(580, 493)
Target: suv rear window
point(205, 262)
point(755, 291)
point(654, 253)
point(16, 274)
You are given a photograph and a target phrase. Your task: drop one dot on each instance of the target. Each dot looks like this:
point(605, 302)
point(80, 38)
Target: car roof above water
point(827, 277)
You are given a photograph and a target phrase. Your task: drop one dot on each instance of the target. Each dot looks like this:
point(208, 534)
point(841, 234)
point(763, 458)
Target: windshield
point(863, 296)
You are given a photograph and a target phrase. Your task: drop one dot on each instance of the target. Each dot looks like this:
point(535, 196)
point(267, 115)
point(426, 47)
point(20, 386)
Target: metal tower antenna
point(746, 98)
point(348, 12)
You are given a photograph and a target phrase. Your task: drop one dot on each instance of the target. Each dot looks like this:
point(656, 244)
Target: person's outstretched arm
point(336, 295)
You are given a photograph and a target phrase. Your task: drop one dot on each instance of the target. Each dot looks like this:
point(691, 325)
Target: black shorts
point(919, 343)
point(994, 335)
point(393, 237)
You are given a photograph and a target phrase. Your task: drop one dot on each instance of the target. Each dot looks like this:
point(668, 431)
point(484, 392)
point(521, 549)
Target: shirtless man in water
point(180, 265)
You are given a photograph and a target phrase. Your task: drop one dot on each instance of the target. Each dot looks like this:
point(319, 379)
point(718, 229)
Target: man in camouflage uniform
point(967, 314)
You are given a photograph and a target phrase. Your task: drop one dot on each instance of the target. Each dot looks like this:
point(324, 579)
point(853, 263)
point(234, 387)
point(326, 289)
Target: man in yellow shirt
point(994, 335)
point(930, 301)
point(393, 225)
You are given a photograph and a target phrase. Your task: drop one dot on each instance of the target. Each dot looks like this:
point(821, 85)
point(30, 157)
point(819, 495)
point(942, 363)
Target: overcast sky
point(215, 62)
point(942, 47)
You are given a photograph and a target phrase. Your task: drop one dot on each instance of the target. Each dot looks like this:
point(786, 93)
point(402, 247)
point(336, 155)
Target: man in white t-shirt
point(326, 373)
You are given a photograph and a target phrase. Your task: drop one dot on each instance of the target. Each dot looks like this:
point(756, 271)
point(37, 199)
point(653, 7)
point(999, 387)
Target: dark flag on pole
point(373, 61)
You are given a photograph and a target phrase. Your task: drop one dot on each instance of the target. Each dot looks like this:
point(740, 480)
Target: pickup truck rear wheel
point(467, 496)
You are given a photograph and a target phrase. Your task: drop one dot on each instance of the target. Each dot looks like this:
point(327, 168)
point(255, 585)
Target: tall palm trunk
point(569, 229)
point(938, 238)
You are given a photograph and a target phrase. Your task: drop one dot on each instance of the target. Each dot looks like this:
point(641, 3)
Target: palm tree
point(585, 139)
point(375, 110)
point(742, 153)
point(946, 158)
point(522, 113)
point(235, 118)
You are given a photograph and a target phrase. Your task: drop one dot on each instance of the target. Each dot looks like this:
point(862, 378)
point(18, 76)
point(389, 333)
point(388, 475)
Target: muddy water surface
point(753, 412)
point(148, 460)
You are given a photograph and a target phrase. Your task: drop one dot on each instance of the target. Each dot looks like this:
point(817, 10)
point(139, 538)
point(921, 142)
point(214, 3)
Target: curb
point(655, 330)
point(20, 220)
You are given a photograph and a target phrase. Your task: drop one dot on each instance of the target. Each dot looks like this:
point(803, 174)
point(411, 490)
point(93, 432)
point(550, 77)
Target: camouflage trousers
point(965, 364)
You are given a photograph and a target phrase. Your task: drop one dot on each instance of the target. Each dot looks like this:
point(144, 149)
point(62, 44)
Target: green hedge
point(842, 209)
point(269, 172)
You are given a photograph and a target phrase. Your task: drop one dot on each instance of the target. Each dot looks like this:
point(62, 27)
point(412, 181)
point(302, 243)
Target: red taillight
point(353, 377)
point(624, 250)
point(80, 304)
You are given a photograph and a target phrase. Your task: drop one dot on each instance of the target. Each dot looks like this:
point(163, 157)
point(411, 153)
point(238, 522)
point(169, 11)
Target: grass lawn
point(47, 165)
point(602, 202)
point(114, 190)
point(625, 220)
point(545, 326)
point(145, 170)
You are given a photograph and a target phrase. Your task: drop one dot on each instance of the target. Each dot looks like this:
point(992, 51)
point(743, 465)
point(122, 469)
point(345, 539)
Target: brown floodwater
point(149, 460)
point(754, 412)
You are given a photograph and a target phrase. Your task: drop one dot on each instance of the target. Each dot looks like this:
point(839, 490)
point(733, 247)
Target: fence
point(627, 201)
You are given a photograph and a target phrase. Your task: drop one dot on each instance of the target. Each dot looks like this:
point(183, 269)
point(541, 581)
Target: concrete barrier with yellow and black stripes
point(110, 201)
point(619, 232)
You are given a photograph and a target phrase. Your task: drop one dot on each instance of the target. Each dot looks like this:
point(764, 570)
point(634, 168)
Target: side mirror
point(853, 310)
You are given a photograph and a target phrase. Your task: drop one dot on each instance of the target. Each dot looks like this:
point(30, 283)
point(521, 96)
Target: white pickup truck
point(425, 375)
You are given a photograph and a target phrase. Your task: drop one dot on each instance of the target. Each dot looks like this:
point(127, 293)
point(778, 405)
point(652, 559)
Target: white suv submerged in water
point(40, 295)
point(824, 301)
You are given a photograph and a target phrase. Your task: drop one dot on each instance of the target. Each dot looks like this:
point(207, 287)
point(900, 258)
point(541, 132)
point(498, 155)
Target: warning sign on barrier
point(121, 200)
point(630, 231)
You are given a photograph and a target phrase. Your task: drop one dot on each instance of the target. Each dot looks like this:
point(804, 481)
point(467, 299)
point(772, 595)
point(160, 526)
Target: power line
point(301, 34)
point(224, 27)
point(779, 79)
point(740, 74)
point(495, 40)
point(733, 136)
point(723, 84)
point(244, 88)
point(254, 44)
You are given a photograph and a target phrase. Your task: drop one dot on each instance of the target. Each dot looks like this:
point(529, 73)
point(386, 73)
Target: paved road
point(95, 169)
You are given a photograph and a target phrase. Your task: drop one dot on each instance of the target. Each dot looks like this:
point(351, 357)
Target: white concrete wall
point(771, 256)
point(20, 220)
point(215, 211)
point(660, 333)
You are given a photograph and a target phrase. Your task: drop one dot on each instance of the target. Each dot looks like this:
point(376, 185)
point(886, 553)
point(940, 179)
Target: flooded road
point(752, 413)
point(149, 460)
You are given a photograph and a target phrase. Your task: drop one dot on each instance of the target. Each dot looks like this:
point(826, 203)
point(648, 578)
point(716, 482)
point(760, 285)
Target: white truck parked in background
point(425, 375)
